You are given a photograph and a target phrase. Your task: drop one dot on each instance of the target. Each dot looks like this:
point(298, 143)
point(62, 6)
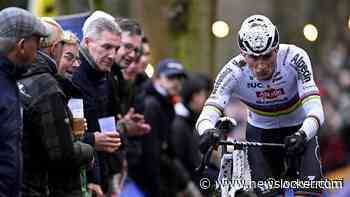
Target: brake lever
point(224, 125)
point(205, 161)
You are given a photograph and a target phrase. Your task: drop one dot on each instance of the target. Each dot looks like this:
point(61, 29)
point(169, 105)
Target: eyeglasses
point(70, 57)
point(130, 47)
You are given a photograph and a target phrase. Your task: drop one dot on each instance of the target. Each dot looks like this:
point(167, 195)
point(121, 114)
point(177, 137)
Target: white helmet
point(257, 36)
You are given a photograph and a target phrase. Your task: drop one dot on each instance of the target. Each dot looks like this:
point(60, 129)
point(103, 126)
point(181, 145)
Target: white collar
point(181, 110)
point(160, 89)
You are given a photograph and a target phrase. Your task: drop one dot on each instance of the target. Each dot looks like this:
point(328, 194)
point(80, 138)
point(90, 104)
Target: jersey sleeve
point(225, 85)
point(308, 93)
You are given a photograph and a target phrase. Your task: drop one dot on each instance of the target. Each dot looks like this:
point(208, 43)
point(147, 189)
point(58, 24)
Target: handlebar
point(224, 126)
point(206, 157)
point(249, 144)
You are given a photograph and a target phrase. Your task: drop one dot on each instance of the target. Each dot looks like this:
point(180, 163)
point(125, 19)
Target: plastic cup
point(76, 106)
point(107, 124)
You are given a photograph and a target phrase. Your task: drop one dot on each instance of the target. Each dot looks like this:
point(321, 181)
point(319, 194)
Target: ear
point(87, 41)
point(52, 49)
point(20, 45)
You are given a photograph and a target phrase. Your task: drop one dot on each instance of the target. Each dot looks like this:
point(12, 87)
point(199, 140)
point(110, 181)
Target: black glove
point(207, 139)
point(295, 144)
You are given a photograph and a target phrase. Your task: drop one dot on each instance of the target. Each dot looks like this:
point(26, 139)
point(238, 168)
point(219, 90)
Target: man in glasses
point(70, 60)
point(276, 83)
point(124, 70)
point(50, 155)
point(130, 48)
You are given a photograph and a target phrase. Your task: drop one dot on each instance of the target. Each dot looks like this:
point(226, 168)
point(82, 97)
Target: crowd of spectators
point(154, 139)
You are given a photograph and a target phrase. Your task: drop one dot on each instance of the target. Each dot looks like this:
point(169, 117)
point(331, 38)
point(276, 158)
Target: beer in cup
point(77, 108)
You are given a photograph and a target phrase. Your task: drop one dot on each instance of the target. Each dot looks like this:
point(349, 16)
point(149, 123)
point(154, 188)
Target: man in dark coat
point(101, 41)
point(20, 32)
point(52, 162)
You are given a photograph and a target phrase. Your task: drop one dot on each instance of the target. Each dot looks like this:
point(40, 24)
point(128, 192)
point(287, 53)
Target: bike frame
point(240, 146)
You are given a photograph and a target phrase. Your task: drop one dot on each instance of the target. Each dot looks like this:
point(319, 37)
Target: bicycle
point(234, 175)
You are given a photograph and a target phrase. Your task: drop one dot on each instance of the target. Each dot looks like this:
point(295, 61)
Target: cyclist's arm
point(309, 95)
point(224, 87)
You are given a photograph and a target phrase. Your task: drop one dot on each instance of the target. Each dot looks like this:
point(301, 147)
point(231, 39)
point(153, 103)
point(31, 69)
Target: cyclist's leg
point(265, 162)
point(310, 168)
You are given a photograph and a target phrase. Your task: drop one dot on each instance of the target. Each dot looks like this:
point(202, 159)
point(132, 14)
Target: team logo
point(303, 72)
point(254, 85)
point(220, 79)
point(270, 93)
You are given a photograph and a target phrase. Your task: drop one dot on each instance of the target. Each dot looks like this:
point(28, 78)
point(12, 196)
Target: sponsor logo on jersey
point(312, 86)
point(280, 83)
point(270, 93)
point(220, 79)
point(277, 74)
point(277, 79)
point(239, 61)
point(303, 72)
point(254, 85)
point(269, 102)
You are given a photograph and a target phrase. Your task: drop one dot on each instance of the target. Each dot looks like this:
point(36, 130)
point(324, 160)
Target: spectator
point(70, 61)
point(141, 63)
point(156, 104)
point(125, 69)
point(145, 57)
point(100, 43)
point(134, 150)
point(68, 64)
point(184, 138)
point(50, 157)
point(123, 84)
point(20, 32)
point(123, 88)
point(130, 49)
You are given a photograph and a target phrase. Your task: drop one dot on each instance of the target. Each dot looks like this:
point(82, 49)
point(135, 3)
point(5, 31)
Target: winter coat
point(98, 102)
point(48, 149)
point(10, 131)
point(156, 155)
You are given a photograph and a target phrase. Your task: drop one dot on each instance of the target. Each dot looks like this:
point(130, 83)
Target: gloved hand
point(295, 144)
point(208, 138)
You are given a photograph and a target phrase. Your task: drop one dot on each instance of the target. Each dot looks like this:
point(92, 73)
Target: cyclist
point(276, 83)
